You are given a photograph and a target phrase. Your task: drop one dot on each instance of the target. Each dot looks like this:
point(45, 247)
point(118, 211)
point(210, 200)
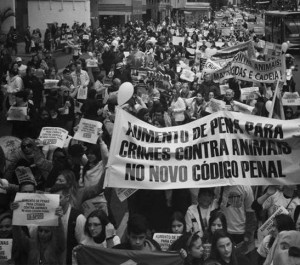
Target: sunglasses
point(23, 146)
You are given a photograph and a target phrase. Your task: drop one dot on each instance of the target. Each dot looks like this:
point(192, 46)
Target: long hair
point(178, 216)
point(101, 215)
point(213, 217)
point(215, 254)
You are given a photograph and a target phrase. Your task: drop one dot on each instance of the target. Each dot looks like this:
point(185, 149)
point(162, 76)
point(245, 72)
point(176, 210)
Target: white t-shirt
point(237, 200)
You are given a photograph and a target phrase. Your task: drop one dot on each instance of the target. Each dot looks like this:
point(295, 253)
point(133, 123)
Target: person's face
point(137, 241)
point(44, 115)
point(27, 148)
point(228, 95)
point(207, 77)
point(224, 246)
point(174, 92)
point(6, 228)
point(216, 225)
point(44, 233)
point(205, 199)
point(15, 67)
point(199, 97)
point(63, 199)
point(61, 179)
point(177, 227)
point(91, 157)
point(274, 230)
point(28, 188)
point(94, 226)
point(78, 66)
point(196, 250)
point(185, 88)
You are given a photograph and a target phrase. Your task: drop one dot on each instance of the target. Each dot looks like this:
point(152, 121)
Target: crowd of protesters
point(218, 225)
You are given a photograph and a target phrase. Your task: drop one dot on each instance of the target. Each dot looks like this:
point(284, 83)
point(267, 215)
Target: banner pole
point(274, 98)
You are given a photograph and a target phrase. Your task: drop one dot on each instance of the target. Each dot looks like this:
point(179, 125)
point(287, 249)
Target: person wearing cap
point(197, 215)
point(22, 68)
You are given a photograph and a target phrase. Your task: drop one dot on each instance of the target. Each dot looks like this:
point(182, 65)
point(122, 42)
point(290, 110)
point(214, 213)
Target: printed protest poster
point(224, 148)
point(85, 36)
point(50, 83)
point(36, 209)
point(211, 66)
point(191, 51)
point(53, 136)
point(290, 99)
point(124, 194)
point(223, 89)
point(187, 75)
point(24, 174)
point(243, 108)
point(266, 228)
point(88, 131)
point(176, 40)
point(165, 240)
point(82, 93)
point(248, 93)
point(17, 114)
point(105, 256)
point(5, 249)
point(91, 62)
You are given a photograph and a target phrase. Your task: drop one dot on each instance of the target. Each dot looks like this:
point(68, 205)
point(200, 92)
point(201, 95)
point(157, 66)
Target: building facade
point(116, 12)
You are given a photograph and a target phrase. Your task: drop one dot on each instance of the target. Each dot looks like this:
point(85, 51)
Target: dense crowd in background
point(218, 225)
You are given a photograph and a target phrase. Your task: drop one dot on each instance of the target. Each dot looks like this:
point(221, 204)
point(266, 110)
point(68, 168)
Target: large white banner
point(224, 148)
point(243, 68)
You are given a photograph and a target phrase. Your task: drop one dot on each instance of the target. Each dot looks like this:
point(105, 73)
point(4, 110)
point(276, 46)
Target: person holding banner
point(177, 108)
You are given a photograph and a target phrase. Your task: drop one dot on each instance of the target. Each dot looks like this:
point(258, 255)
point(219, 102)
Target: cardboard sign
point(53, 136)
point(247, 93)
point(124, 194)
point(17, 114)
point(85, 37)
point(88, 131)
point(290, 99)
point(187, 75)
point(191, 51)
point(177, 40)
point(226, 32)
point(165, 240)
point(223, 89)
point(5, 249)
point(82, 93)
point(265, 229)
point(91, 62)
point(36, 209)
point(215, 105)
point(50, 83)
point(24, 174)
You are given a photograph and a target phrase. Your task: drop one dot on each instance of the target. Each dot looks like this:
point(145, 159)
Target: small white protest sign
point(177, 40)
point(91, 62)
point(124, 194)
point(290, 99)
point(36, 209)
point(82, 93)
point(53, 136)
point(24, 174)
point(247, 92)
point(165, 240)
point(266, 228)
point(88, 131)
point(5, 249)
point(187, 75)
point(17, 114)
point(50, 83)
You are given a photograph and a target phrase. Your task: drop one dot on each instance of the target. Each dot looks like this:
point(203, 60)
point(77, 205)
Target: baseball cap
point(18, 59)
